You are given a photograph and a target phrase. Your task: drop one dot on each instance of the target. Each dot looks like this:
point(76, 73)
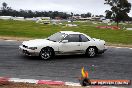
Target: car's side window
point(72, 38)
point(84, 38)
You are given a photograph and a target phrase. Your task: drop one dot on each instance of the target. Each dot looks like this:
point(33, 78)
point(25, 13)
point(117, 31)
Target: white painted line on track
point(119, 47)
point(10, 40)
point(72, 84)
point(23, 80)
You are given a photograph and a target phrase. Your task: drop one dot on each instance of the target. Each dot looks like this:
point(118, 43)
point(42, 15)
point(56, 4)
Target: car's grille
point(25, 46)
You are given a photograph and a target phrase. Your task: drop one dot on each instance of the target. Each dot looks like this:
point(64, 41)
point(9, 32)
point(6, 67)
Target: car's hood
point(37, 42)
point(99, 40)
point(96, 39)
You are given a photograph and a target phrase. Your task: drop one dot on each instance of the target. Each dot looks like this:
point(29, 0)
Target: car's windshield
point(56, 37)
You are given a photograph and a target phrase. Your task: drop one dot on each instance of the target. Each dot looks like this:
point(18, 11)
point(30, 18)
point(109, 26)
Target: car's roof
point(70, 32)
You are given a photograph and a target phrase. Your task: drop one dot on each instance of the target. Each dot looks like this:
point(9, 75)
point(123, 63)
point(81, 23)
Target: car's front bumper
point(102, 51)
point(28, 52)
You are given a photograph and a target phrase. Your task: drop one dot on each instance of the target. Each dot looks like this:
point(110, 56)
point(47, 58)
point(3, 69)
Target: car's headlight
point(32, 48)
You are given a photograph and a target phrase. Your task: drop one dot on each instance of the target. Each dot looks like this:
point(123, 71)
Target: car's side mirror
point(64, 41)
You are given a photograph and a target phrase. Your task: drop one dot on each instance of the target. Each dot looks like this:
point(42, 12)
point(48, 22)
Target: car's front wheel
point(46, 53)
point(91, 51)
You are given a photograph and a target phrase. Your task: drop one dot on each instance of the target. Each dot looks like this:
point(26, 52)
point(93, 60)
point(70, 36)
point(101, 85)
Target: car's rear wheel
point(91, 51)
point(46, 53)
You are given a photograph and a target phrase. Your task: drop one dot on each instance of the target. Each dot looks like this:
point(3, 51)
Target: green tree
point(5, 10)
point(4, 6)
point(108, 14)
point(119, 10)
point(86, 15)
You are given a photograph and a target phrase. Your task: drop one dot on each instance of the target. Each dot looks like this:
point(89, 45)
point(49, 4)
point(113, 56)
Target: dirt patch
point(118, 45)
point(14, 38)
point(27, 85)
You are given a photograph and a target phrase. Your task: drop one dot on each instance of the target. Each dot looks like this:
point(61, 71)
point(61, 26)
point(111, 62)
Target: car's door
point(72, 46)
point(85, 42)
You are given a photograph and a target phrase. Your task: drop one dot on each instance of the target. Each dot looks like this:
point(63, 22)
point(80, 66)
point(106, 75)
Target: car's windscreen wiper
point(51, 40)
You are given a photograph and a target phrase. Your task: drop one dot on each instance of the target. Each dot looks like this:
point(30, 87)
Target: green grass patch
point(34, 30)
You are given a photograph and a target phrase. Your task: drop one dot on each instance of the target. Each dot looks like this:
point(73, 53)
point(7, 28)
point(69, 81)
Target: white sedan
point(63, 43)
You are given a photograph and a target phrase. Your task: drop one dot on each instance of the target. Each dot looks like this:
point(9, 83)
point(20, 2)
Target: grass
point(34, 30)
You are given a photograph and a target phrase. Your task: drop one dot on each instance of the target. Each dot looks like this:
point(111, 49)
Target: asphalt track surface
point(115, 63)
